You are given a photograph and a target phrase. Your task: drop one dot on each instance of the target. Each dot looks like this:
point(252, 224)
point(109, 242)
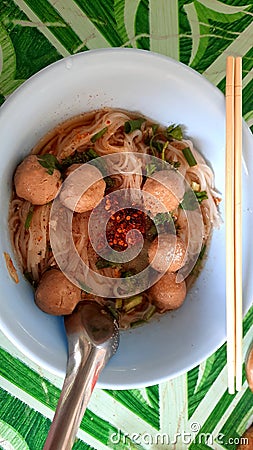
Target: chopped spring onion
point(92, 154)
point(202, 195)
point(137, 323)
point(189, 156)
point(132, 302)
point(29, 217)
point(150, 312)
point(132, 125)
point(98, 135)
point(119, 303)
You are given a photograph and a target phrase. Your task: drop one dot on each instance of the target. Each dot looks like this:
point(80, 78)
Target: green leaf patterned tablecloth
point(194, 410)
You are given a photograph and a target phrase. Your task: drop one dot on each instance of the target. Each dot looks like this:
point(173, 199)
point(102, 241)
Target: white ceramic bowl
point(168, 92)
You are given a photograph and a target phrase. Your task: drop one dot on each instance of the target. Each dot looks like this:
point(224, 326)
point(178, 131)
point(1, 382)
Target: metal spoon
point(93, 337)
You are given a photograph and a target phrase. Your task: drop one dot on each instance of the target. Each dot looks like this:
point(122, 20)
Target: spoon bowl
point(93, 338)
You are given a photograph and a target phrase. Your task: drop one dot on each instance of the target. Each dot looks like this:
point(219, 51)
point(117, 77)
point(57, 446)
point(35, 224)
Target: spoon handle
point(83, 369)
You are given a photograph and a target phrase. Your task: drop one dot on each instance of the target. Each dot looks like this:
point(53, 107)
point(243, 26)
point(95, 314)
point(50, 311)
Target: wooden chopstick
point(233, 211)
point(238, 221)
point(229, 213)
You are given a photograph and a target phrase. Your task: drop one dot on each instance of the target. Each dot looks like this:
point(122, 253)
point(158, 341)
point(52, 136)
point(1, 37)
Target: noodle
point(76, 137)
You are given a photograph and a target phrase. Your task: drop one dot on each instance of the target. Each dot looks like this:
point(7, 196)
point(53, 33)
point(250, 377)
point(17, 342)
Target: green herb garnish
point(104, 264)
point(137, 323)
point(202, 195)
point(91, 154)
point(156, 145)
point(202, 251)
point(118, 303)
point(163, 150)
point(98, 135)
point(75, 158)
point(49, 162)
point(113, 311)
point(29, 217)
point(174, 132)
point(132, 125)
point(189, 156)
point(128, 273)
point(131, 302)
point(162, 218)
point(150, 312)
point(109, 182)
point(174, 164)
point(29, 277)
point(197, 265)
point(82, 158)
point(150, 169)
point(84, 287)
point(154, 127)
point(191, 199)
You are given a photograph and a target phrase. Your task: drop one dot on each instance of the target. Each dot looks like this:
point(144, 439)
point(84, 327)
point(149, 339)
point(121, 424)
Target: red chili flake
point(129, 219)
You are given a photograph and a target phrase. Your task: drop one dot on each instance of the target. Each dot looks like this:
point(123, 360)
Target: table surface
point(191, 411)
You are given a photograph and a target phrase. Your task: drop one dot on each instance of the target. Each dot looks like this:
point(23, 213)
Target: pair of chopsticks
point(233, 213)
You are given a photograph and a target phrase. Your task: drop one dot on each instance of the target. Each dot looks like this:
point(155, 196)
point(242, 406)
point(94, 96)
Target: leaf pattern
point(200, 33)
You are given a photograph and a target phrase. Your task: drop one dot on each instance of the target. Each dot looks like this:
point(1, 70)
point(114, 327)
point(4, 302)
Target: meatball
point(246, 440)
point(34, 183)
point(249, 369)
point(167, 186)
point(55, 294)
point(167, 293)
point(71, 194)
point(171, 253)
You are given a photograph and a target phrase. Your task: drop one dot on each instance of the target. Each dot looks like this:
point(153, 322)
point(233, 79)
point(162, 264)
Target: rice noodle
point(32, 245)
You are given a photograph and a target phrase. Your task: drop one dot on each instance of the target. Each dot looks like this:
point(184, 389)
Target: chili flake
point(127, 220)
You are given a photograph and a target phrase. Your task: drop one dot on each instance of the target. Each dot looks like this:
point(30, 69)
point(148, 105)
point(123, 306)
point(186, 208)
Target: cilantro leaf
point(174, 132)
point(49, 162)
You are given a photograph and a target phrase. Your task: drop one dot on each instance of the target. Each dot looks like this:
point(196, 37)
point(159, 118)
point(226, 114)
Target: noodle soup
point(112, 207)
